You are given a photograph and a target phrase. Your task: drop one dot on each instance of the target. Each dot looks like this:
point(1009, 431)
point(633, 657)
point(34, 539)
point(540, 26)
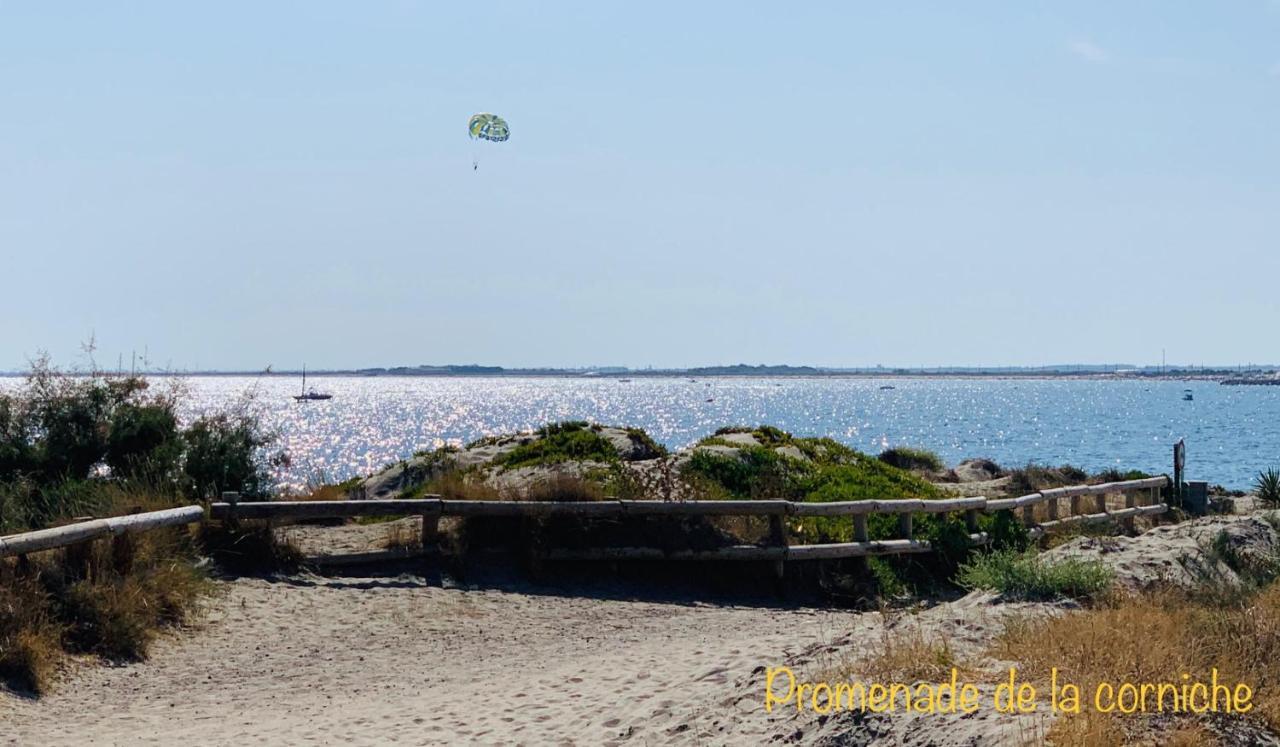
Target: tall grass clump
point(1267, 485)
point(1025, 575)
point(108, 598)
point(911, 459)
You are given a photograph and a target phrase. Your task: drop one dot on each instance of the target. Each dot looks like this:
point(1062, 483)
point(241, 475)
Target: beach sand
point(395, 660)
point(408, 659)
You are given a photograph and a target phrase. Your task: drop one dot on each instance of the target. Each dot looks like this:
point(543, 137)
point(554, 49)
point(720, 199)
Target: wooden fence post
point(1130, 501)
point(860, 535)
point(904, 525)
point(778, 537)
point(971, 520)
point(431, 530)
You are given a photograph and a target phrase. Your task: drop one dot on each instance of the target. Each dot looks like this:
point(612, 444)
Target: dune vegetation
point(98, 445)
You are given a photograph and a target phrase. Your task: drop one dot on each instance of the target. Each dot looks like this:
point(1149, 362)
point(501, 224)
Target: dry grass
point(249, 547)
point(560, 487)
point(402, 535)
point(457, 486)
point(904, 655)
point(109, 598)
point(1154, 638)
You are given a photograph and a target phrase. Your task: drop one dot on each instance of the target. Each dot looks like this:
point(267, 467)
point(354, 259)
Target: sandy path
point(393, 660)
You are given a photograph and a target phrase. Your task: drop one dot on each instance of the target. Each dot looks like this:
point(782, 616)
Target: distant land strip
point(1232, 375)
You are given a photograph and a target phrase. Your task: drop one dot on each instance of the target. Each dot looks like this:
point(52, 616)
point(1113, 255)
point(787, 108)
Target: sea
point(1231, 432)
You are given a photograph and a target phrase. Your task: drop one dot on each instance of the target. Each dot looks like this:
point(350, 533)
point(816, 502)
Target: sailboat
point(308, 396)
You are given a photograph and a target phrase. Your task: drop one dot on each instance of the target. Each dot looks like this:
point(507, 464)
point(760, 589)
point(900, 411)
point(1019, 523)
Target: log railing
point(1085, 504)
point(432, 509)
point(86, 531)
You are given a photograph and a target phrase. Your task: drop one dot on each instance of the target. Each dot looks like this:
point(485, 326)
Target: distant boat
point(711, 399)
point(888, 386)
point(624, 381)
point(309, 395)
point(1186, 395)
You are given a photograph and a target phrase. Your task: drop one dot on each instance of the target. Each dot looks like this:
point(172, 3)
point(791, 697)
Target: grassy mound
point(916, 460)
point(825, 471)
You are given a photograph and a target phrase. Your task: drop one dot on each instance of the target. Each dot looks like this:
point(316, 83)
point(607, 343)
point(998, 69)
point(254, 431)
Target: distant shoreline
point(1264, 377)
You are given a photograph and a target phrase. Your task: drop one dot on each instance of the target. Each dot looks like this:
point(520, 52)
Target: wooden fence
point(1061, 507)
point(86, 531)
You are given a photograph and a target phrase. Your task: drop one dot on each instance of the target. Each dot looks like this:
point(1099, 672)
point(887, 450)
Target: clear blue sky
point(241, 184)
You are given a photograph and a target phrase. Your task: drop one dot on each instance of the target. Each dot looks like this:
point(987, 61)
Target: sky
point(238, 185)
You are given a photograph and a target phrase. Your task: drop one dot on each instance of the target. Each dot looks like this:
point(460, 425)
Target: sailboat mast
point(304, 379)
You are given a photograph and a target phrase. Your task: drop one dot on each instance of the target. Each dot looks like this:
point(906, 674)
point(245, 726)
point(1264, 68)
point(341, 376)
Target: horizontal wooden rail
point(434, 504)
point(432, 508)
point(74, 534)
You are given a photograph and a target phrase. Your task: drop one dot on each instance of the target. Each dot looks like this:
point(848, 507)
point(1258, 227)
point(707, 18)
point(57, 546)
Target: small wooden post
point(1028, 516)
point(431, 531)
point(904, 525)
point(778, 536)
point(971, 520)
point(1130, 501)
point(122, 552)
point(1053, 509)
point(860, 534)
point(1100, 503)
point(1075, 505)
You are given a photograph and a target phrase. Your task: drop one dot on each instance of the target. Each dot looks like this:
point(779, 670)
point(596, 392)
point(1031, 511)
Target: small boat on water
point(310, 395)
point(1186, 395)
point(888, 386)
point(624, 381)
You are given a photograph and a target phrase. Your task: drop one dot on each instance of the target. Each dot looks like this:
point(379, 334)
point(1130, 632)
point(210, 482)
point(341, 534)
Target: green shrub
point(649, 448)
point(222, 454)
point(144, 443)
point(561, 442)
point(905, 457)
point(1004, 531)
point(1267, 485)
point(754, 472)
point(1025, 575)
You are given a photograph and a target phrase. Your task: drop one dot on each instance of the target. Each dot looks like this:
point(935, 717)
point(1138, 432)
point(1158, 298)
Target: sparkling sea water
point(1231, 432)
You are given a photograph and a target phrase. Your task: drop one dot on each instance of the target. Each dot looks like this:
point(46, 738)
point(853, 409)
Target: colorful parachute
point(485, 126)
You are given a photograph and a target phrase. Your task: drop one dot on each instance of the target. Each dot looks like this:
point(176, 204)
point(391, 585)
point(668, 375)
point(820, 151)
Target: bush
point(561, 442)
point(222, 454)
point(1004, 531)
point(1024, 575)
point(143, 443)
point(62, 435)
point(918, 460)
point(1036, 477)
point(1267, 484)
